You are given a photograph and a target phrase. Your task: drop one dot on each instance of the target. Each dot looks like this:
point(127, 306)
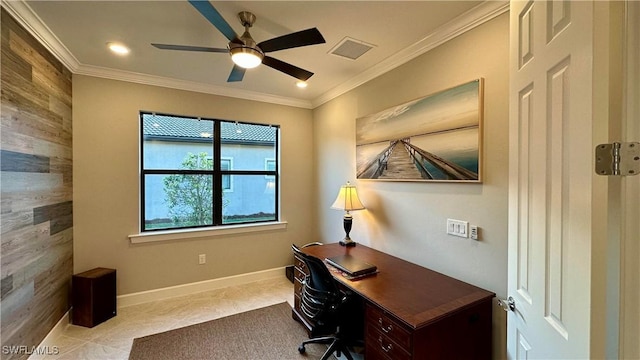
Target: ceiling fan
point(244, 51)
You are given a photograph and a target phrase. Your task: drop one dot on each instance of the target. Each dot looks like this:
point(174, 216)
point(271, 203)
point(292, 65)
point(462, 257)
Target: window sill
point(196, 233)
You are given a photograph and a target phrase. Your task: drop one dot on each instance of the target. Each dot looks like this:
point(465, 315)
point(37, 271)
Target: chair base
point(337, 346)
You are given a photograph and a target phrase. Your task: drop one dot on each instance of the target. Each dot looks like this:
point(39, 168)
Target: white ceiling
point(77, 32)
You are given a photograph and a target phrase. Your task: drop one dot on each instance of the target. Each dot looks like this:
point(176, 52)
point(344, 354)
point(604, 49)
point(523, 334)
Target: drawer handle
point(384, 348)
point(387, 329)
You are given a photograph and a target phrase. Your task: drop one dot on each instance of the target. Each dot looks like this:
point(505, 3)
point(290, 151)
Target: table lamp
point(347, 200)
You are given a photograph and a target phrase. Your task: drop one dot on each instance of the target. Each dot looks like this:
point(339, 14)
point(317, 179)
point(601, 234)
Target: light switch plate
point(458, 228)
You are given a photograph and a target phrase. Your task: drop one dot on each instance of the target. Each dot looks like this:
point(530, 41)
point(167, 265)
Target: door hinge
point(619, 159)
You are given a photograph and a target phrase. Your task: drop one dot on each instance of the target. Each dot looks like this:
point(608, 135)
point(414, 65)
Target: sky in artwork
point(455, 108)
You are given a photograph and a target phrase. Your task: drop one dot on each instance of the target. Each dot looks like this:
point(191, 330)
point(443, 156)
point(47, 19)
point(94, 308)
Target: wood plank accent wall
point(36, 206)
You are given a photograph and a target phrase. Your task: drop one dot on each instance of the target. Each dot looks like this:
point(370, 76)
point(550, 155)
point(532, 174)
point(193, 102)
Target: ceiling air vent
point(351, 48)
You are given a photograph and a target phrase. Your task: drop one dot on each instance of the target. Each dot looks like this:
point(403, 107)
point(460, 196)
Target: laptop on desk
point(351, 265)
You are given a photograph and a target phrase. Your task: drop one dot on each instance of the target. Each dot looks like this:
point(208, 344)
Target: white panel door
point(550, 186)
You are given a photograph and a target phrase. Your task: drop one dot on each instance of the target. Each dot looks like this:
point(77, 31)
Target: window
point(206, 172)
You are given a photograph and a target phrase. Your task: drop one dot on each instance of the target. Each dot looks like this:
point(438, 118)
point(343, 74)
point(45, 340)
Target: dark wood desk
point(412, 312)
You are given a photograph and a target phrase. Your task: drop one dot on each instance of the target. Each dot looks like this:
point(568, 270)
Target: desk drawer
point(299, 264)
point(300, 270)
point(379, 346)
point(297, 287)
point(384, 324)
point(298, 275)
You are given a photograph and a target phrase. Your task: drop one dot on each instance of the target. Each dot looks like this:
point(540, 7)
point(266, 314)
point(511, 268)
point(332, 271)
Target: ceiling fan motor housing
point(247, 18)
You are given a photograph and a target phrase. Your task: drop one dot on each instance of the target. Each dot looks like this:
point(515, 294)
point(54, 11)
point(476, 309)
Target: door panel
point(557, 192)
point(524, 230)
point(550, 172)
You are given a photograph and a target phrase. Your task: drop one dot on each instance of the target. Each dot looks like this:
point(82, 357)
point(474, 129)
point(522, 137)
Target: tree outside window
point(190, 197)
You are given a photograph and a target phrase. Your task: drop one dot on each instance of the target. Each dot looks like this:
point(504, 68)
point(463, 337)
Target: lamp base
point(347, 242)
point(347, 221)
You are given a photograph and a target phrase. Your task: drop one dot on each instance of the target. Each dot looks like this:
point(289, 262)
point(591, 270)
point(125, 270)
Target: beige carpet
point(266, 333)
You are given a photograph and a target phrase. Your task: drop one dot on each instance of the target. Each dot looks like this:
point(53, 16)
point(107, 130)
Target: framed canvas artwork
point(435, 138)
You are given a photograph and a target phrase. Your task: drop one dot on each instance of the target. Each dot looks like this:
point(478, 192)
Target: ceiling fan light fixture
point(246, 57)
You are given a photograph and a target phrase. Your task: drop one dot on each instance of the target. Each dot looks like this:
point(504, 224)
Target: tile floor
point(112, 339)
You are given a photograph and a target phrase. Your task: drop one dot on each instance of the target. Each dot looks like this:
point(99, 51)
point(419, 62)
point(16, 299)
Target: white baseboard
point(186, 289)
point(49, 345)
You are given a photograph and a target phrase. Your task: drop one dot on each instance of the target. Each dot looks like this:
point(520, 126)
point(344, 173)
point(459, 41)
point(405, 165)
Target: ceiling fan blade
point(210, 13)
point(296, 39)
point(237, 73)
point(190, 48)
point(286, 68)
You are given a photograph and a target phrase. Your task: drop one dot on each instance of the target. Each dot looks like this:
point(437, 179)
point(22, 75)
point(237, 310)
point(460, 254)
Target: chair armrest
point(312, 244)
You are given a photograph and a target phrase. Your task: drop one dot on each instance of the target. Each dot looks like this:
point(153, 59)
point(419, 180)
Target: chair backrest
point(321, 296)
point(320, 277)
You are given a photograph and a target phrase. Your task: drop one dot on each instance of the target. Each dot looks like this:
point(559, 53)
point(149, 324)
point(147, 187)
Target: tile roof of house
point(172, 127)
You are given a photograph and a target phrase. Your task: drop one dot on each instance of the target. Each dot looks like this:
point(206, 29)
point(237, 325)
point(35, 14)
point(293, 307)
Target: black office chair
point(322, 304)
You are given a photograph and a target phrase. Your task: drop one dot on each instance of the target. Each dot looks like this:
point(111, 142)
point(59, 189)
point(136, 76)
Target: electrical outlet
point(202, 259)
point(458, 228)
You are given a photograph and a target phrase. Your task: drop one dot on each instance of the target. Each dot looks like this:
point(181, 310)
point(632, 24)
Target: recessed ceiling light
point(118, 48)
point(301, 84)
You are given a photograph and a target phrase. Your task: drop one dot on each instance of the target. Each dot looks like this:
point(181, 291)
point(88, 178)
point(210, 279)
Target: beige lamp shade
point(347, 199)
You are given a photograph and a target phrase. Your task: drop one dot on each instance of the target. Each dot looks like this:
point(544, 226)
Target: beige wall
point(408, 219)
point(106, 181)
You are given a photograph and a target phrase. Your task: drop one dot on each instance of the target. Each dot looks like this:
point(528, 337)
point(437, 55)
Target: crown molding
point(476, 16)
point(145, 79)
point(480, 14)
point(29, 20)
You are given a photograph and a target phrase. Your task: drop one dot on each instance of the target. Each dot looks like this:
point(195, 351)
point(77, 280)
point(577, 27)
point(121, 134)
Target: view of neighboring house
point(170, 141)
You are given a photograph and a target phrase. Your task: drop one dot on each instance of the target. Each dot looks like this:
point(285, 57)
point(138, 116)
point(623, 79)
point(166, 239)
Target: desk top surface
point(415, 295)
